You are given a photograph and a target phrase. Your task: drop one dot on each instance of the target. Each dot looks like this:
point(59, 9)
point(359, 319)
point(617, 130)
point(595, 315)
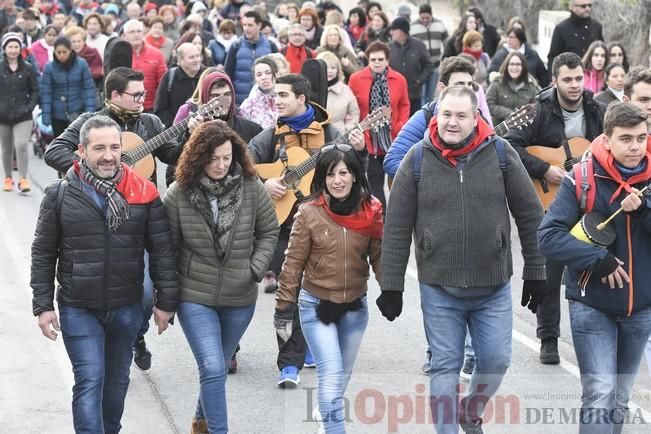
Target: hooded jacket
point(244, 128)
point(20, 92)
point(632, 243)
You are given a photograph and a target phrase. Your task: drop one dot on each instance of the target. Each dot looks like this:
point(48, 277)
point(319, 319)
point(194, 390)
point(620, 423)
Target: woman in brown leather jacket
point(335, 235)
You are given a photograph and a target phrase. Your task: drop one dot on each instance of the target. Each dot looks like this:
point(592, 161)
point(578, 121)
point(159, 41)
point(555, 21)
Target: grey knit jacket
point(460, 220)
point(206, 279)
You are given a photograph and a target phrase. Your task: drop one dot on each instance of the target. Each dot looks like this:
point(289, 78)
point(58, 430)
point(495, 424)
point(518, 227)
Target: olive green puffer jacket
point(206, 279)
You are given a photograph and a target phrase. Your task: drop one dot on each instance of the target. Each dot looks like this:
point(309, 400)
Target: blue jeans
point(429, 88)
point(213, 334)
point(99, 345)
point(446, 318)
point(147, 298)
point(334, 348)
point(609, 350)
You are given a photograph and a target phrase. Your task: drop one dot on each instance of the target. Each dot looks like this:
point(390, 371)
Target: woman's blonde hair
point(331, 59)
point(327, 29)
point(75, 30)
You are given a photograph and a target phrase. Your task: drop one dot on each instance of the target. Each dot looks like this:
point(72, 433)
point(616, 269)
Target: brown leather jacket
point(334, 260)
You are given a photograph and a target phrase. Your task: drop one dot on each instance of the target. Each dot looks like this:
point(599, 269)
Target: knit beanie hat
point(12, 36)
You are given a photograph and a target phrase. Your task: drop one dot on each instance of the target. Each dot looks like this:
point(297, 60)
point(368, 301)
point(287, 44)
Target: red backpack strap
point(584, 182)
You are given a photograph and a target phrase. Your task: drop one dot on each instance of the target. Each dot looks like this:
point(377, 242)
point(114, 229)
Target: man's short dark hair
point(425, 8)
point(623, 114)
point(454, 64)
point(299, 83)
point(571, 60)
point(119, 79)
point(638, 74)
point(378, 46)
point(253, 14)
point(95, 122)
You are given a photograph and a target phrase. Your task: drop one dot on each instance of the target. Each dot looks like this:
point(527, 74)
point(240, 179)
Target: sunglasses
point(338, 147)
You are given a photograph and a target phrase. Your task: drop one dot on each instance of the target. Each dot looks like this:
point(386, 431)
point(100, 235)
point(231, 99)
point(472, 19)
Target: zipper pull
point(461, 176)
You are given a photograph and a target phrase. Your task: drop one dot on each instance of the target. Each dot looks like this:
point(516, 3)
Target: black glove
point(607, 266)
point(284, 322)
point(390, 304)
point(533, 293)
point(329, 312)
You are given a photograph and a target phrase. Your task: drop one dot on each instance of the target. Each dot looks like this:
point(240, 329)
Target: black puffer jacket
point(61, 152)
point(97, 269)
point(548, 128)
point(19, 93)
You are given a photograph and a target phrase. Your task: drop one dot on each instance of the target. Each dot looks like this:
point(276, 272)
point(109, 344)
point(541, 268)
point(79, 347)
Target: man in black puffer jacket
point(125, 95)
point(93, 229)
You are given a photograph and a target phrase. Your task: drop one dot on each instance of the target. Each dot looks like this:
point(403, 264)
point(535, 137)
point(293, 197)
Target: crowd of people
point(215, 90)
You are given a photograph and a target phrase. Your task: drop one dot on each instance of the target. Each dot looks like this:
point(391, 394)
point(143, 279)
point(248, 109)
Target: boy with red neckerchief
point(607, 288)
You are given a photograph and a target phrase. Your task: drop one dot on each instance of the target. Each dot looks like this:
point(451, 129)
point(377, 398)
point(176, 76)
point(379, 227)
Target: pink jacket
point(593, 80)
point(260, 107)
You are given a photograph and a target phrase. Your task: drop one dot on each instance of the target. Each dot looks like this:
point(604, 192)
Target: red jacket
point(360, 83)
point(149, 61)
point(296, 56)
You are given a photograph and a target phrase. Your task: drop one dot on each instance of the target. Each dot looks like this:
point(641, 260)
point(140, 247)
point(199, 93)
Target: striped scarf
point(118, 208)
point(380, 136)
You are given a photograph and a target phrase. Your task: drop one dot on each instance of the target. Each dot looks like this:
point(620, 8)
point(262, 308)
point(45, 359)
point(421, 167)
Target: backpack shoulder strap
point(500, 148)
point(170, 78)
point(584, 183)
point(417, 161)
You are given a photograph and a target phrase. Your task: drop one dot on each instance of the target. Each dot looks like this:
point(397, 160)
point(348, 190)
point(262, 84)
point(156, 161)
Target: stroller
point(41, 136)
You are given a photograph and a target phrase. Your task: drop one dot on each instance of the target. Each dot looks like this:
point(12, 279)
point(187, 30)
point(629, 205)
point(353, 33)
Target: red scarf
point(474, 53)
point(366, 221)
point(157, 43)
point(606, 160)
point(482, 132)
point(135, 188)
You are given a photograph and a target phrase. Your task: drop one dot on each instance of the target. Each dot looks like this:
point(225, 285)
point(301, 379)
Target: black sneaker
point(472, 427)
point(549, 352)
point(141, 355)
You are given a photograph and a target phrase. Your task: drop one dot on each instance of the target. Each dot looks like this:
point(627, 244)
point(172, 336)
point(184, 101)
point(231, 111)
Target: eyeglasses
point(296, 34)
point(375, 59)
point(339, 147)
point(584, 6)
point(138, 96)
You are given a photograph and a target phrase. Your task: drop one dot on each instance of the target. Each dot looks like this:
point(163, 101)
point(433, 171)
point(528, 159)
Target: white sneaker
point(316, 416)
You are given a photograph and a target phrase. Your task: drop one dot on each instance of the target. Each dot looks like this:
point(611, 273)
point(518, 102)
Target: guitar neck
point(501, 129)
point(146, 148)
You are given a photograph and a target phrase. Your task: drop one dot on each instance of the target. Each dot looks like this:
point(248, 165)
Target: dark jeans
point(292, 351)
point(549, 312)
point(375, 175)
point(59, 126)
point(99, 346)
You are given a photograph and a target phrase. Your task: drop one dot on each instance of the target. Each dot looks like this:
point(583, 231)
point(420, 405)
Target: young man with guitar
point(548, 147)
point(125, 93)
point(303, 124)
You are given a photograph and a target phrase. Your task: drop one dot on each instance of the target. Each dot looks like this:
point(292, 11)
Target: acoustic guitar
point(297, 172)
point(564, 157)
point(136, 153)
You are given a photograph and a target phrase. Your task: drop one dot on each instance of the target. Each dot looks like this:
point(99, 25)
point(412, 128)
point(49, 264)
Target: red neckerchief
point(474, 53)
point(366, 221)
point(135, 189)
point(607, 161)
point(483, 131)
point(158, 43)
